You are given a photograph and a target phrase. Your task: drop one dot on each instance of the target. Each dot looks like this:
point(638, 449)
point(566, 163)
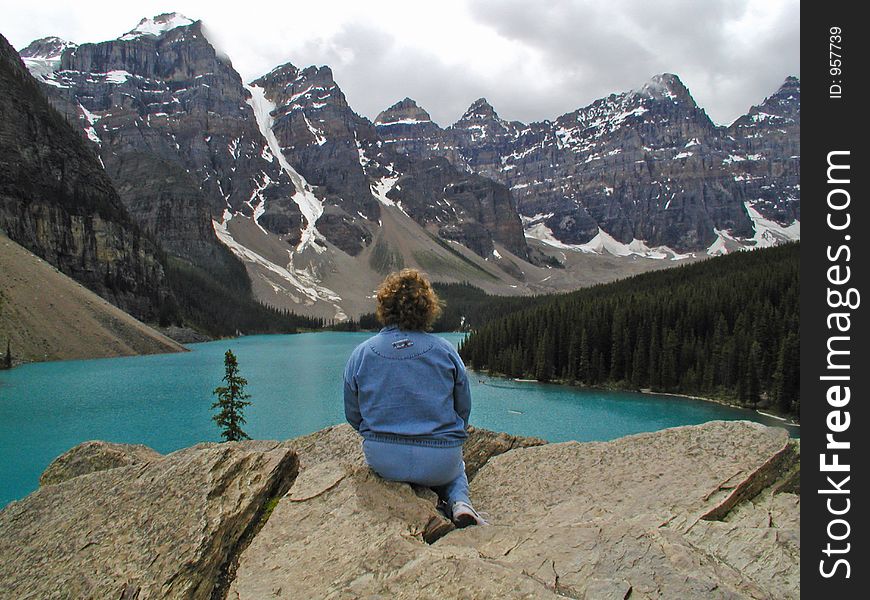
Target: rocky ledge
point(707, 511)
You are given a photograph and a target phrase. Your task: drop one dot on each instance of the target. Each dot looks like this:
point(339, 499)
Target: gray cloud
point(531, 60)
point(600, 48)
point(375, 70)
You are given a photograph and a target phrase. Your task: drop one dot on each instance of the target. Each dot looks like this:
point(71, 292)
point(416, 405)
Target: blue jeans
point(441, 469)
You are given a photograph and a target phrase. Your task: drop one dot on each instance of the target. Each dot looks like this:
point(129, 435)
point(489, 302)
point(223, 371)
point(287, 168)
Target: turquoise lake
point(164, 401)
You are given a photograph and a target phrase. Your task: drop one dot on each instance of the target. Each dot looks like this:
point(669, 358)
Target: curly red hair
point(406, 299)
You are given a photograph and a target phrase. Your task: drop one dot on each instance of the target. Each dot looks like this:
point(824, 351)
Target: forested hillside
point(726, 328)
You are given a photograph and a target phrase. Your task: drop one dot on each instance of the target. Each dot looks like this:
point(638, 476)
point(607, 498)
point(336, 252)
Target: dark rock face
point(646, 164)
point(329, 145)
point(408, 129)
point(56, 201)
point(345, 156)
point(176, 133)
point(768, 139)
point(462, 207)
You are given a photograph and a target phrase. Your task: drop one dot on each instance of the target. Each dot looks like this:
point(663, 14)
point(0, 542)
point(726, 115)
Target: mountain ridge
point(521, 156)
point(641, 189)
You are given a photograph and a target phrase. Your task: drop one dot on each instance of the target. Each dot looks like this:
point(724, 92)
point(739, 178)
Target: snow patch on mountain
point(724, 243)
point(91, 118)
point(157, 26)
point(410, 121)
point(319, 138)
point(302, 280)
point(382, 187)
point(767, 233)
point(602, 243)
point(42, 58)
point(770, 233)
point(309, 204)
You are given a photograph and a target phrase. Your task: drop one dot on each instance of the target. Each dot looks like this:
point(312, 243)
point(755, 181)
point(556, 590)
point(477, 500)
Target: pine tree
point(231, 401)
point(726, 328)
point(7, 363)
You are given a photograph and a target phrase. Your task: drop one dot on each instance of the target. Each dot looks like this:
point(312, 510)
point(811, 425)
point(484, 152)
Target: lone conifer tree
point(231, 401)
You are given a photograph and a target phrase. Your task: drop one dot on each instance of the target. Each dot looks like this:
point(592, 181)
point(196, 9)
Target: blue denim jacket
point(407, 387)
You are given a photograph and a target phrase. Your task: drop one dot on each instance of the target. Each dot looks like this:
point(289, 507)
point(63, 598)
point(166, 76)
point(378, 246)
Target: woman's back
point(409, 384)
point(406, 392)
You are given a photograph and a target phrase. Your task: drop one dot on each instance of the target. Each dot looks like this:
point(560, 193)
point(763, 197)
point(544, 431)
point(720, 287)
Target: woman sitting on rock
point(407, 393)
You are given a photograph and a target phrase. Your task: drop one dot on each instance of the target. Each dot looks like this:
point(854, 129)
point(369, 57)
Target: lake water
point(164, 401)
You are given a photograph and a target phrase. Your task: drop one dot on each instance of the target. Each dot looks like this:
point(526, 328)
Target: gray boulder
point(168, 528)
point(706, 511)
point(89, 457)
point(597, 520)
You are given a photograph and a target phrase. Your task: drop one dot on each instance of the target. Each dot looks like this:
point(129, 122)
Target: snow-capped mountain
point(646, 164)
point(357, 175)
point(280, 171)
point(160, 100)
point(319, 202)
point(56, 200)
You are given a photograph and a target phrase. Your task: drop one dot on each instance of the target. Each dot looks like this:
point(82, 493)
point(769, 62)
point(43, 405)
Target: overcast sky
point(532, 60)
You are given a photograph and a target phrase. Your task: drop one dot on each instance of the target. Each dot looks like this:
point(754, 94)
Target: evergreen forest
point(724, 328)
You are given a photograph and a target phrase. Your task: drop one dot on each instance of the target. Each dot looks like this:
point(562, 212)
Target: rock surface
point(690, 512)
point(601, 520)
point(90, 457)
point(56, 200)
point(646, 164)
point(46, 315)
point(161, 529)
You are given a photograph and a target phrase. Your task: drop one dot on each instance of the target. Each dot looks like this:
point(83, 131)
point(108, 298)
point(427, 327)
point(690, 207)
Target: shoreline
point(786, 421)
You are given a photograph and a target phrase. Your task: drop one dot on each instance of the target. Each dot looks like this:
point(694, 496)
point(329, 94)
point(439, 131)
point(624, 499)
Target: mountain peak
point(286, 72)
point(404, 111)
point(315, 75)
point(47, 48)
point(158, 25)
point(783, 103)
point(791, 83)
point(665, 85)
point(480, 109)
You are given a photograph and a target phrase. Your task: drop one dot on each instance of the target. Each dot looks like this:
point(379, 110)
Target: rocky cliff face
point(176, 133)
point(408, 129)
point(343, 155)
point(459, 206)
point(645, 165)
point(329, 145)
point(285, 174)
point(709, 511)
point(282, 171)
point(768, 142)
point(56, 200)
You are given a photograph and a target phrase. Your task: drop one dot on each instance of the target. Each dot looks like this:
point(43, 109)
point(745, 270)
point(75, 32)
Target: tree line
point(465, 307)
point(726, 328)
point(222, 305)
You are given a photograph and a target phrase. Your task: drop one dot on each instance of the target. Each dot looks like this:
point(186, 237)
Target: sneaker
point(465, 515)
